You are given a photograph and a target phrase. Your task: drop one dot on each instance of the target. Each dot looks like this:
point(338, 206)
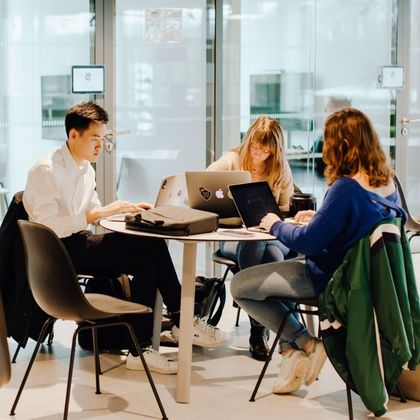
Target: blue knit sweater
point(347, 213)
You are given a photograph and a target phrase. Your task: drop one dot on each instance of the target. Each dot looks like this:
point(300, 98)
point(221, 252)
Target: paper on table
point(292, 221)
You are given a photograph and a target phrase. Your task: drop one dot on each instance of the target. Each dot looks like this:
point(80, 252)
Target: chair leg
point(238, 313)
point(50, 337)
point(146, 369)
point(70, 375)
point(349, 403)
point(16, 353)
point(97, 361)
point(400, 391)
point(213, 307)
point(267, 361)
point(41, 338)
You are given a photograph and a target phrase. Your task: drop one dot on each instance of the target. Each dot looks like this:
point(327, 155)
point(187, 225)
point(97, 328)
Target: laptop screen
point(253, 201)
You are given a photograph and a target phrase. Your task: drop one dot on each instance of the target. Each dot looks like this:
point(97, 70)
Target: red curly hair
point(352, 145)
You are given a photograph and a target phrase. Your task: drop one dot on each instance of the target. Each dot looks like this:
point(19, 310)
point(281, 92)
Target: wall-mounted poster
point(163, 26)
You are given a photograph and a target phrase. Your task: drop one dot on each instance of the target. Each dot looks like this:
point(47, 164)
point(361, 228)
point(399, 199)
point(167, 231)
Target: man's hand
point(116, 207)
point(304, 216)
point(268, 220)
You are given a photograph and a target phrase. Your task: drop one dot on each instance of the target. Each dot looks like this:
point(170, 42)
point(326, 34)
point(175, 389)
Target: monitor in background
point(88, 79)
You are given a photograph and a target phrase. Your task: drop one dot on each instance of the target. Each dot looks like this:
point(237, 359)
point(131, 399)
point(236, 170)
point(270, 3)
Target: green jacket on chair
point(371, 299)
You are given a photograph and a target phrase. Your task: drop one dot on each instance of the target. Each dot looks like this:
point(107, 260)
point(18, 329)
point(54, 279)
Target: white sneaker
point(292, 372)
point(204, 335)
point(155, 361)
point(317, 359)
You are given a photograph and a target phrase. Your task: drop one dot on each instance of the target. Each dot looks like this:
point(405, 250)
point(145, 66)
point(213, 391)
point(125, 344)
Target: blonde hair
point(351, 145)
point(266, 133)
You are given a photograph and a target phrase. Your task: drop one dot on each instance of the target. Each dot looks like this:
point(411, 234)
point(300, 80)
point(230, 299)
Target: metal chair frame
point(231, 266)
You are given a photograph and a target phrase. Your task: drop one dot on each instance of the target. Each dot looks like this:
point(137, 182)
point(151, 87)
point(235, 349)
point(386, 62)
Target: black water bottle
point(301, 201)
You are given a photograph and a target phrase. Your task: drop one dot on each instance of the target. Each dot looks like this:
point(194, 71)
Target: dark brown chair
point(55, 288)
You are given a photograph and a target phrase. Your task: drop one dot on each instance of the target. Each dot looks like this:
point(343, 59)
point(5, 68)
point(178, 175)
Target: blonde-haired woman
point(262, 154)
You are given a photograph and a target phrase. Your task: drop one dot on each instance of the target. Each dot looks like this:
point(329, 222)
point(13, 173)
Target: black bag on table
point(110, 338)
point(210, 298)
point(173, 221)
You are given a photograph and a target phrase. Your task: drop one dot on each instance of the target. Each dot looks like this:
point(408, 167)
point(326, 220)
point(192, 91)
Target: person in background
point(60, 194)
point(332, 104)
point(357, 172)
point(262, 154)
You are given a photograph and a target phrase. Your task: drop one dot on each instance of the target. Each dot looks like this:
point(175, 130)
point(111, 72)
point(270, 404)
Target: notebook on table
point(209, 190)
point(253, 201)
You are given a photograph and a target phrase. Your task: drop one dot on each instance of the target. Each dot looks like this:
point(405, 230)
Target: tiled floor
point(222, 382)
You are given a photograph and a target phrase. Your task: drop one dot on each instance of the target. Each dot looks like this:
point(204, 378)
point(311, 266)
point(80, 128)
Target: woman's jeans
point(267, 291)
point(249, 253)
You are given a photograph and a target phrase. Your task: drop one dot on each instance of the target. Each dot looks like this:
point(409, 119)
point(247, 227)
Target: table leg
point(186, 322)
point(157, 321)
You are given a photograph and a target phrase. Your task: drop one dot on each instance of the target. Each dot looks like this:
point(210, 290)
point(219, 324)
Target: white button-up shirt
point(58, 193)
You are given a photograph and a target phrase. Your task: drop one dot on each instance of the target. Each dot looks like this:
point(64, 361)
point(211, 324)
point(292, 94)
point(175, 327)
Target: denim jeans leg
point(264, 291)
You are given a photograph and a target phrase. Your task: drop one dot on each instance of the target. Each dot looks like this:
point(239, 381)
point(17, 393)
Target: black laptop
point(253, 201)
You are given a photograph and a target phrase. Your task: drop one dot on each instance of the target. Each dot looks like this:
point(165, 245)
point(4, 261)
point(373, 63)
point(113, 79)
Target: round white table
point(188, 289)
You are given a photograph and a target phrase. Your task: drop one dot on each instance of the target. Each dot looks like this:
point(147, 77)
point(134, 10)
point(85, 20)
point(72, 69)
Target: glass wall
point(413, 139)
point(39, 42)
point(293, 59)
point(160, 92)
point(161, 96)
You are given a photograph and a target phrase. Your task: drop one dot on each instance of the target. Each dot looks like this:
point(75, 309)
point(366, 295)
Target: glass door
point(408, 108)
point(161, 94)
point(298, 61)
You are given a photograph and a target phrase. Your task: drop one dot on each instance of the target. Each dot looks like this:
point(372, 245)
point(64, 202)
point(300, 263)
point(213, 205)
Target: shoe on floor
point(204, 335)
point(156, 362)
point(258, 347)
point(317, 359)
point(167, 339)
point(292, 372)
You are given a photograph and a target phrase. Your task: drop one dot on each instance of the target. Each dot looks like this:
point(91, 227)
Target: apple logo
point(219, 193)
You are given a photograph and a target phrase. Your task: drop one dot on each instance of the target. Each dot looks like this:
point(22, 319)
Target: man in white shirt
point(60, 193)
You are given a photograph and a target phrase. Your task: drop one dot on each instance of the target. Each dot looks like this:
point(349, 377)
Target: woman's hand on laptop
point(268, 220)
point(304, 216)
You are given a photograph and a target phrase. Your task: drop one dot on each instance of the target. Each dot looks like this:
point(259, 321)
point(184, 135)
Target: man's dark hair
point(81, 115)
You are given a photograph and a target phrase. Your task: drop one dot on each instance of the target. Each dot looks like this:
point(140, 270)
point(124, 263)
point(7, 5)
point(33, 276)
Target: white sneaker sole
point(208, 345)
point(139, 367)
point(295, 380)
